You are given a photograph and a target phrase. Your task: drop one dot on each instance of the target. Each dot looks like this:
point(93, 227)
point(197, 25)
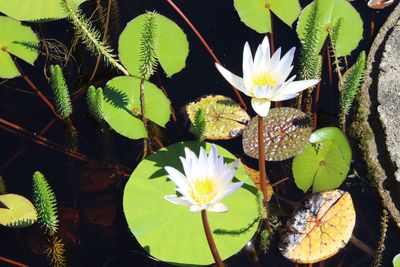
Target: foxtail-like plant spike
point(45, 203)
point(55, 252)
point(199, 124)
point(148, 46)
point(351, 84)
point(334, 35)
point(94, 102)
point(60, 91)
point(90, 36)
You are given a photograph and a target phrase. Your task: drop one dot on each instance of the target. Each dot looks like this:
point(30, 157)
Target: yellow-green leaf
point(17, 211)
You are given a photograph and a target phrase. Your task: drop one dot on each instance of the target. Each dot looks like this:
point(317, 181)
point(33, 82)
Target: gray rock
point(389, 95)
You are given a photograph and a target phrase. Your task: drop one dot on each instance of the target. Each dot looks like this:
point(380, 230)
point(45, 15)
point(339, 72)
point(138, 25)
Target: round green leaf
point(256, 13)
point(224, 118)
point(19, 41)
point(121, 106)
point(18, 211)
point(172, 47)
point(396, 261)
point(286, 134)
point(171, 232)
point(35, 10)
point(330, 12)
point(325, 162)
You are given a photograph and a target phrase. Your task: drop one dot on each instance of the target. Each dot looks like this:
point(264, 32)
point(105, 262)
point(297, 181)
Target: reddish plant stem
point(13, 128)
point(23, 149)
point(261, 157)
point(329, 62)
point(15, 263)
point(205, 44)
point(210, 240)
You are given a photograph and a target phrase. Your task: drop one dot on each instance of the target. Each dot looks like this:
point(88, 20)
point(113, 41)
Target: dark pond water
point(92, 221)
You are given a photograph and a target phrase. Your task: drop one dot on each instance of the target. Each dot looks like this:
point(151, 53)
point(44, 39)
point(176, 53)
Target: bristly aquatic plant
point(351, 84)
point(310, 59)
point(334, 35)
point(380, 248)
point(148, 63)
point(55, 252)
point(148, 46)
point(94, 102)
point(199, 125)
point(62, 98)
point(90, 36)
point(45, 203)
point(3, 187)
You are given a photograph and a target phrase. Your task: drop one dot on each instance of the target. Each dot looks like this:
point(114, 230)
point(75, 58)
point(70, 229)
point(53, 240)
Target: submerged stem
point(210, 240)
point(262, 169)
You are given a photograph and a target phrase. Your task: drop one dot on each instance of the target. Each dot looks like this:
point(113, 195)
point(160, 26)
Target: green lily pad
point(331, 11)
point(172, 233)
point(172, 47)
point(224, 118)
point(121, 106)
point(17, 40)
point(18, 211)
point(35, 10)
point(256, 13)
point(396, 261)
point(286, 134)
point(325, 162)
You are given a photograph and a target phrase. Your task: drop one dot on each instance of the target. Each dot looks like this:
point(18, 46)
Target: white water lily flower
point(264, 78)
point(207, 180)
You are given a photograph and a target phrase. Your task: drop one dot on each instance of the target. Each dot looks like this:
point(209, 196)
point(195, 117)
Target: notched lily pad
point(256, 14)
point(325, 162)
point(16, 211)
point(121, 106)
point(330, 13)
point(171, 232)
point(17, 40)
point(319, 228)
point(224, 118)
point(172, 46)
point(286, 134)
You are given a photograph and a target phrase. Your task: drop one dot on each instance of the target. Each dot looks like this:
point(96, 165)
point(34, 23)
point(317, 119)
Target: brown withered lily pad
point(319, 228)
point(100, 210)
point(255, 176)
point(95, 177)
point(224, 118)
point(286, 134)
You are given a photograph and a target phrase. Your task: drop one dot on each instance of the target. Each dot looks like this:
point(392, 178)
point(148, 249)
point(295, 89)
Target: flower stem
point(262, 169)
point(210, 239)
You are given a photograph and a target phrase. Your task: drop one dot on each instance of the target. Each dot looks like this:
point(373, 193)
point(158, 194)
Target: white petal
point(261, 106)
point(232, 188)
point(285, 73)
point(230, 171)
point(283, 97)
point(233, 79)
point(218, 207)
point(247, 61)
point(261, 92)
point(265, 47)
point(275, 59)
point(259, 60)
point(177, 200)
point(177, 177)
point(196, 208)
point(285, 64)
point(298, 86)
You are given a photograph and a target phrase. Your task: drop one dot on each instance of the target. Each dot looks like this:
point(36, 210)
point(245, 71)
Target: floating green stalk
point(199, 124)
point(148, 63)
point(90, 36)
point(310, 59)
point(62, 98)
point(350, 86)
point(45, 203)
point(94, 101)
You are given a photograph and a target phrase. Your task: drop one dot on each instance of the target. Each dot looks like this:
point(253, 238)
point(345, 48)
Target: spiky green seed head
point(94, 101)
point(62, 98)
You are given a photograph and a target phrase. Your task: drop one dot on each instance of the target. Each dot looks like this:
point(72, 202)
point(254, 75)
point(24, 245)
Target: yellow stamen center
point(264, 79)
point(204, 190)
